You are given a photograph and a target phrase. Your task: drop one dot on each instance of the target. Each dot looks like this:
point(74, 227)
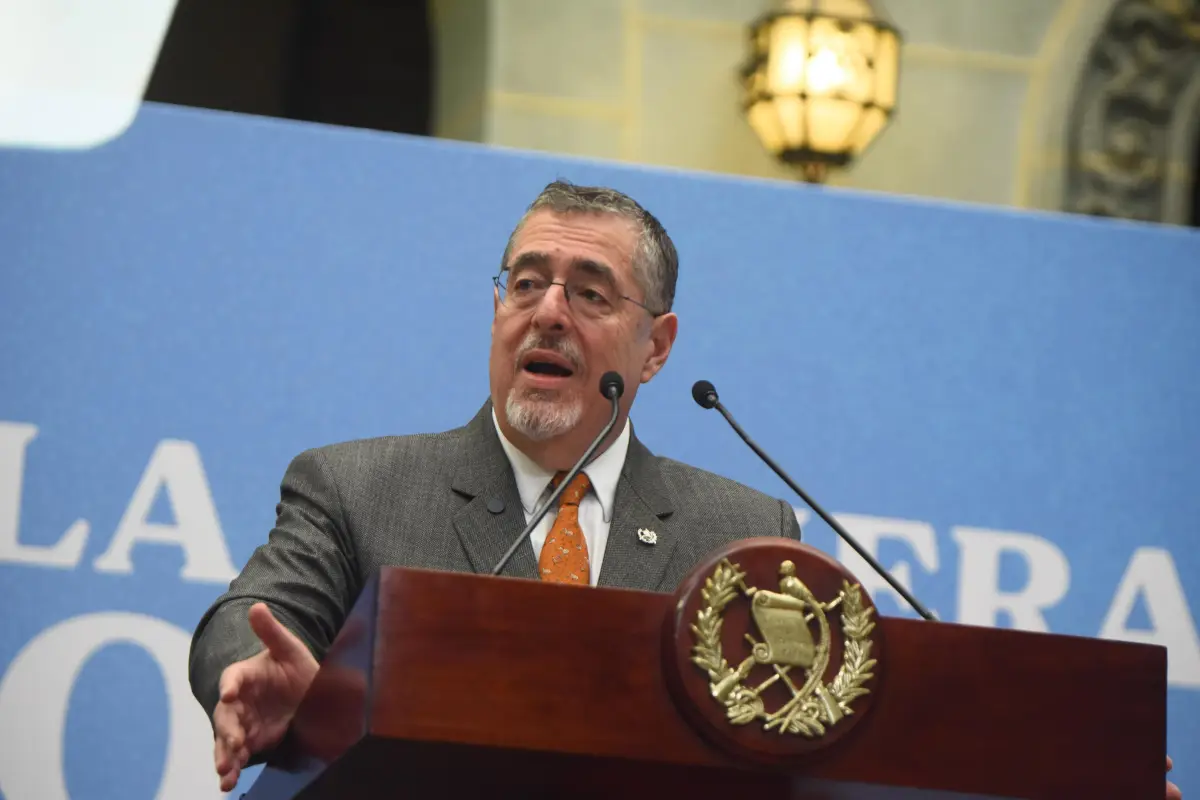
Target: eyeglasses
point(587, 296)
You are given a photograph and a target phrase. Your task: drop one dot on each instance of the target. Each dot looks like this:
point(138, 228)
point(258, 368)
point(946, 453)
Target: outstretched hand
point(259, 696)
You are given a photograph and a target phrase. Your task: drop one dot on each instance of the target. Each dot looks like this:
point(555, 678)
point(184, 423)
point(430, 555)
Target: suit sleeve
point(789, 527)
point(307, 574)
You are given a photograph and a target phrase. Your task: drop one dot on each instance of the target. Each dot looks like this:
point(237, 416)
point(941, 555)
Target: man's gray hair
point(655, 262)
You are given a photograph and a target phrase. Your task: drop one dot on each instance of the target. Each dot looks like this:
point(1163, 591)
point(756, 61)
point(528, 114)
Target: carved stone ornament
point(772, 650)
point(1132, 96)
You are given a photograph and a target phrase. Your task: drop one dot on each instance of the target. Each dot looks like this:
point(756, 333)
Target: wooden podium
point(453, 685)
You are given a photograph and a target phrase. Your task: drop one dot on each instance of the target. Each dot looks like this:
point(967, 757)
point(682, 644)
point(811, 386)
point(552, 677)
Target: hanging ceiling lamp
point(820, 81)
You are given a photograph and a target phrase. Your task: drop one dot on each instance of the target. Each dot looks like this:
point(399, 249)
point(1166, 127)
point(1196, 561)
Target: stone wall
point(986, 89)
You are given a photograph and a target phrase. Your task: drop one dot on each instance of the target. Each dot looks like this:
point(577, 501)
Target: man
point(586, 286)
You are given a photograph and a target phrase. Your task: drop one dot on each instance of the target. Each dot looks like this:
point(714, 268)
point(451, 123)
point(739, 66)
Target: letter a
point(175, 466)
point(1152, 574)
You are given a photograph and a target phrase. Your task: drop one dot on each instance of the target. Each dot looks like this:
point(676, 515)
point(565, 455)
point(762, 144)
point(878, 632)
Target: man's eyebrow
point(529, 258)
point(594, 268)
point(534, 258)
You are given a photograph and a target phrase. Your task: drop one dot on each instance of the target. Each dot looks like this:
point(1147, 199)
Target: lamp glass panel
point(838, 65)
point(887, 67)
point(831, 124)
point(765, 121)
point(789, 54)
point(872, 122)
point(866, 42)
point(790, 111)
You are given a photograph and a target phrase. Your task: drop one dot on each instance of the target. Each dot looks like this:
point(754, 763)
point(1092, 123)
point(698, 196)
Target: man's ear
point(662, 338)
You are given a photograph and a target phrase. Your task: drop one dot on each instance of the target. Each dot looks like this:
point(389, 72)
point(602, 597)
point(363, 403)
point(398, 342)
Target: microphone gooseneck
point(612, 386)
point(705, 395)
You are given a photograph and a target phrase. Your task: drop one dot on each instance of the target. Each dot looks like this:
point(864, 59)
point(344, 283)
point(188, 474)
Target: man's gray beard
point(539, 417)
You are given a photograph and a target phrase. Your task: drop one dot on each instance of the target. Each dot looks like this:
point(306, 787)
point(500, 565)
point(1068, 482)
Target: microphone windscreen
point(705, 394)
point(612, 385)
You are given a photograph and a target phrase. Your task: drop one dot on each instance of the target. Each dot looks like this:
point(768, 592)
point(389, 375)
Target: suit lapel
point(641, 503)
point(493, 516)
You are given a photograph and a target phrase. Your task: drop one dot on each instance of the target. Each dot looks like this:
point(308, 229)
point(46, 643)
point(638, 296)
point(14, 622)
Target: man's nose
point(553, 311)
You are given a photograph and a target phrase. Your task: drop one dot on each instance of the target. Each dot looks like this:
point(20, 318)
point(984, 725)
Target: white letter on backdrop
point(869, 531)
point(175, 467)
point(1151, 573)
point(979, 594)
point(36, 693)
point(14, 439)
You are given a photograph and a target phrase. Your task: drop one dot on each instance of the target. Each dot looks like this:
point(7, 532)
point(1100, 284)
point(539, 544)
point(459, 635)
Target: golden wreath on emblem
point(784, 619)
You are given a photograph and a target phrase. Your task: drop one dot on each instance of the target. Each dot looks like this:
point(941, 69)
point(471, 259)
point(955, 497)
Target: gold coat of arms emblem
point(794, 640)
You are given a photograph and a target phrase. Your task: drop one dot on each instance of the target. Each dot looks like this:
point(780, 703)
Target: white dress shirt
point(596, 510)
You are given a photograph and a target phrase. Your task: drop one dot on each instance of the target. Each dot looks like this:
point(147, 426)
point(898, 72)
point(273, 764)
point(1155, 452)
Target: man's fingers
point(231, 682)
point(282, 643)
point(227, 727)
point(227, 718)
point(1173, 792)
point(221, 756)
point(230, 755)
point(230, 779)
point(240, 757)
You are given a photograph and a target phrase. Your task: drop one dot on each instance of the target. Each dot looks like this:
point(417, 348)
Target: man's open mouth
point(548, 368)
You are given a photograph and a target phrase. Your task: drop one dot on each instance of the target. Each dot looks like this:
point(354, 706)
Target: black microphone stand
point(705, 395)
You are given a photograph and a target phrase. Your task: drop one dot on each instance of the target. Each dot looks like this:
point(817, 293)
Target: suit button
point(495, 505)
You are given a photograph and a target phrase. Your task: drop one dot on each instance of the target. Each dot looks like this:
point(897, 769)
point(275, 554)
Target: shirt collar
point(604, 472)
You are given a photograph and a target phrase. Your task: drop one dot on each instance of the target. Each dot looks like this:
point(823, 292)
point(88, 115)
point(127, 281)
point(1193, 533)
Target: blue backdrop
point(1003, 404)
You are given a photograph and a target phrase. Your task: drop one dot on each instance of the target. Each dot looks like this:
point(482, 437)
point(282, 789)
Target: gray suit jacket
point(449, 501)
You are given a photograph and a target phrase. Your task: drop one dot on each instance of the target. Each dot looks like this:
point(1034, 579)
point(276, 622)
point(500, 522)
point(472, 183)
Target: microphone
point(612, 386)
point(705, 395)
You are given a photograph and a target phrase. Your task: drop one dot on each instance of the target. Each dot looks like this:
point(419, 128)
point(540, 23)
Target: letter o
point(36, 692)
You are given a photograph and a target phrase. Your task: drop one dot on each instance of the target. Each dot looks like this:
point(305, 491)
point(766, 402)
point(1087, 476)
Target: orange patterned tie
point(564, 557)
